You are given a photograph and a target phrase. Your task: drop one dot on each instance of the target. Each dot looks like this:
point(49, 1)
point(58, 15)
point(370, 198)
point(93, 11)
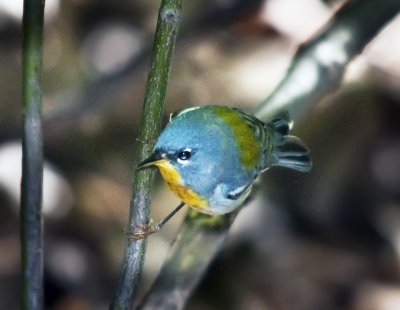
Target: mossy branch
point(143, 180)
point(347, 34)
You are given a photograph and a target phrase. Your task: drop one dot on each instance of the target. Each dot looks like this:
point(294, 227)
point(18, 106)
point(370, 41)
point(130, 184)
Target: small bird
point(210, 156)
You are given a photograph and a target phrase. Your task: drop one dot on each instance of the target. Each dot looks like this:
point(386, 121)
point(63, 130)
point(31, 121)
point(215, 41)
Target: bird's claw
point(143, 231)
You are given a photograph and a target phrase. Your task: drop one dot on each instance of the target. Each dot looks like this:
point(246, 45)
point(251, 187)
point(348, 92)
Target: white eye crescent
point(183, 156)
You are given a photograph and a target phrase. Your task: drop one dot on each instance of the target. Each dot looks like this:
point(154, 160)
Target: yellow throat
point(172, 177)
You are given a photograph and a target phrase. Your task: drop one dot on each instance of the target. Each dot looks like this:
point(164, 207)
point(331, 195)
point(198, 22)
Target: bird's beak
point(153, 159)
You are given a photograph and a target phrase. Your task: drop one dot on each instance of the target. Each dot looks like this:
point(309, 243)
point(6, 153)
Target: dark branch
point(32, 158)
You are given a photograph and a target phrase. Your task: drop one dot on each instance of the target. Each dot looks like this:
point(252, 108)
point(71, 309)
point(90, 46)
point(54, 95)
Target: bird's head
point(191, 149)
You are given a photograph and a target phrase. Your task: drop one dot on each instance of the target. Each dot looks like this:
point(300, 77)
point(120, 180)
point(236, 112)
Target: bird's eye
point(184, 155)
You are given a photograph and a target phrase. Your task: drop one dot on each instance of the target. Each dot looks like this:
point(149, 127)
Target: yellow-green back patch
point(249, 146)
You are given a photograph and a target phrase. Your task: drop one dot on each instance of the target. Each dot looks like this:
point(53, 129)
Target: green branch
point(143, 180)
point(32, 158)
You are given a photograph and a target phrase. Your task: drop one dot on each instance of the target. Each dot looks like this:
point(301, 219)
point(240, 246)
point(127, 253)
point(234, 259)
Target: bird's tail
point(288, 151)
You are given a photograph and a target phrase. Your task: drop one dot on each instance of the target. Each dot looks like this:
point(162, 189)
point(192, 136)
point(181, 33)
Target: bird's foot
point(143, 231)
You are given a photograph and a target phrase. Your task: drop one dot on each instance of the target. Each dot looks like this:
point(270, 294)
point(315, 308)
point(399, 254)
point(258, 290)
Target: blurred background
point(329, 239)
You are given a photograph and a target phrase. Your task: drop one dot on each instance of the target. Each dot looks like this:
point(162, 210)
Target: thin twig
point(143, 180)
point(32, 158)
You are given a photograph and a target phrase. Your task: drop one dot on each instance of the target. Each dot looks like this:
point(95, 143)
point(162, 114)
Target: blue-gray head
point(197, 144)
point(194, 142)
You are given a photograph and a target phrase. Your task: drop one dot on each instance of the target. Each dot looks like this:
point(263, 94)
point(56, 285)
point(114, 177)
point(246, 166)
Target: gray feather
point(287, 151)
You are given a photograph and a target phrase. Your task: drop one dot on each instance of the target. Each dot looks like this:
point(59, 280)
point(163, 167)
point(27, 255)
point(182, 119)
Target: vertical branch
point(32, 158)
point(143, 181)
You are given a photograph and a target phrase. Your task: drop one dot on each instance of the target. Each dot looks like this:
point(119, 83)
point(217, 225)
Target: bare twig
point(143, 180)
point(32, 158)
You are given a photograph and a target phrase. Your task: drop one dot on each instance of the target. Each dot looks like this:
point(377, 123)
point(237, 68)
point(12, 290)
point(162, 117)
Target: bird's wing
point(261, 132)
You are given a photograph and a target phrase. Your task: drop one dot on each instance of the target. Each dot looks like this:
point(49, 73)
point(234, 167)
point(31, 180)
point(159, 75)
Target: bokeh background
point(329, 239)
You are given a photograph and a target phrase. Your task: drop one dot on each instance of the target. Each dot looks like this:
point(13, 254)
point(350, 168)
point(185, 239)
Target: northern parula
point(211, 155)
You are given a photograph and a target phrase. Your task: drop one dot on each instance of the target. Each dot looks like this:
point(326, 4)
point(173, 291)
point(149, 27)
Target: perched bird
point(210, 156)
